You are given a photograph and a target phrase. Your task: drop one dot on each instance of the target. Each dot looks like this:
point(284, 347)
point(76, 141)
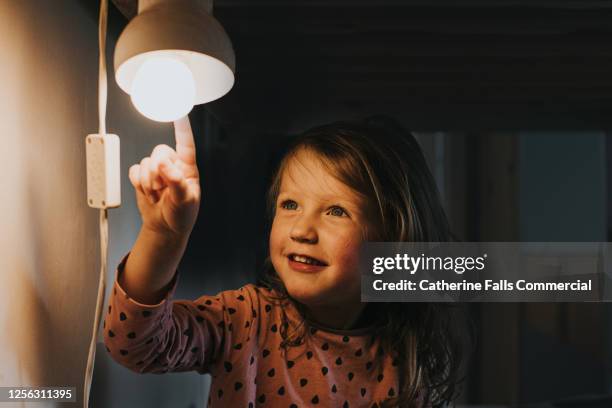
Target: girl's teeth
point(304, 259)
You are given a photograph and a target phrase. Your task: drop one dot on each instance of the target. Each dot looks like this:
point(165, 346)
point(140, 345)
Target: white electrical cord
point(102, 95)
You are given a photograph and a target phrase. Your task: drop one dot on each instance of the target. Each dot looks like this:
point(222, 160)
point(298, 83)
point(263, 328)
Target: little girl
point(302, 337)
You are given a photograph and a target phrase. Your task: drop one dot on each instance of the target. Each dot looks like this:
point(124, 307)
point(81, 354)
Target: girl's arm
point(151, 265)
point(180, 335)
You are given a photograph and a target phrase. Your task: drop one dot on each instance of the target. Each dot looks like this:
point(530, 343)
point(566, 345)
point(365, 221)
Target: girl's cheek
point(347, 251)
point(275, 250)
point(275, 230)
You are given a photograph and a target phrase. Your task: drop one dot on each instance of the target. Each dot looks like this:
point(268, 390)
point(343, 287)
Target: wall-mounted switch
point(103, 171)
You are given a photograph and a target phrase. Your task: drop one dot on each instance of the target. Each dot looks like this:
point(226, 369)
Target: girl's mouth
point(303, 263)
point(306, 260)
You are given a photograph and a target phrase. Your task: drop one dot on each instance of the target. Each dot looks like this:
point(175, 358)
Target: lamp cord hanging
point(102, 84)
point(102, 97)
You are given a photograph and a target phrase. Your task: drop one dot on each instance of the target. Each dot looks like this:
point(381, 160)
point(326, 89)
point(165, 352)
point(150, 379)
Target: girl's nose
point(304, 232)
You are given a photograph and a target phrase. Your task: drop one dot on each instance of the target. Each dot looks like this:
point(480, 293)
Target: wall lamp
point(173, 55)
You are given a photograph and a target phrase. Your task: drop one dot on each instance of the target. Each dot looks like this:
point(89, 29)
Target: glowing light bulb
point(163, 89)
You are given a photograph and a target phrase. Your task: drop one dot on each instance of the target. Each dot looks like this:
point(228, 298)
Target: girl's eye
point(289, 205)
point(337, 211)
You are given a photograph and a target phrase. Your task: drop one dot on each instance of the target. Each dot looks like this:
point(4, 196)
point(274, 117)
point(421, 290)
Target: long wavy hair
point(381, 160)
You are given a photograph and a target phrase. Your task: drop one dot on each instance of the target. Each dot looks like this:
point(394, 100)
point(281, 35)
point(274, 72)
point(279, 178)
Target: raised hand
point(167, 185)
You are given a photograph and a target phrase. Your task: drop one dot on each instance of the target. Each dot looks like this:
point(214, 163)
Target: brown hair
point(382, 161)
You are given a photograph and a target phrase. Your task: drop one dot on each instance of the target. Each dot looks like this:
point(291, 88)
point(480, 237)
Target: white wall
point(49, 237)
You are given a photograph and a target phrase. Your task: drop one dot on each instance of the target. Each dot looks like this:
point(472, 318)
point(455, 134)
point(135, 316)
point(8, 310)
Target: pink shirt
point(235, 336)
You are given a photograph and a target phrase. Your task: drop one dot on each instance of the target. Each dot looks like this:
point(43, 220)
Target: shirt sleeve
point(180, 335)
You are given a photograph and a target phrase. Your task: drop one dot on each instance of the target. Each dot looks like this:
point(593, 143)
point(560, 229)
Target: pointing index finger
point(185, 145)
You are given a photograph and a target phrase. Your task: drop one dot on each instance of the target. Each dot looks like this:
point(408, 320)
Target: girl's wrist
point(166, 239)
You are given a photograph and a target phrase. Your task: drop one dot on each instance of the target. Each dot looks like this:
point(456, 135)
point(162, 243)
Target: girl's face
point(318, 227)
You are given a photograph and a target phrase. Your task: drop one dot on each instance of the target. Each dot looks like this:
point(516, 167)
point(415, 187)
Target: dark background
point(511, 101)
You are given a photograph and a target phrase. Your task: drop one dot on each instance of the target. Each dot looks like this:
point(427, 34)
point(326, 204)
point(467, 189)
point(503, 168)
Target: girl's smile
point(318, 227)
point(305, 263)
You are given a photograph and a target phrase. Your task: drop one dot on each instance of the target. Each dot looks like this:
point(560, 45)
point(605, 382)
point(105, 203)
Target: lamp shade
point(181, 31)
